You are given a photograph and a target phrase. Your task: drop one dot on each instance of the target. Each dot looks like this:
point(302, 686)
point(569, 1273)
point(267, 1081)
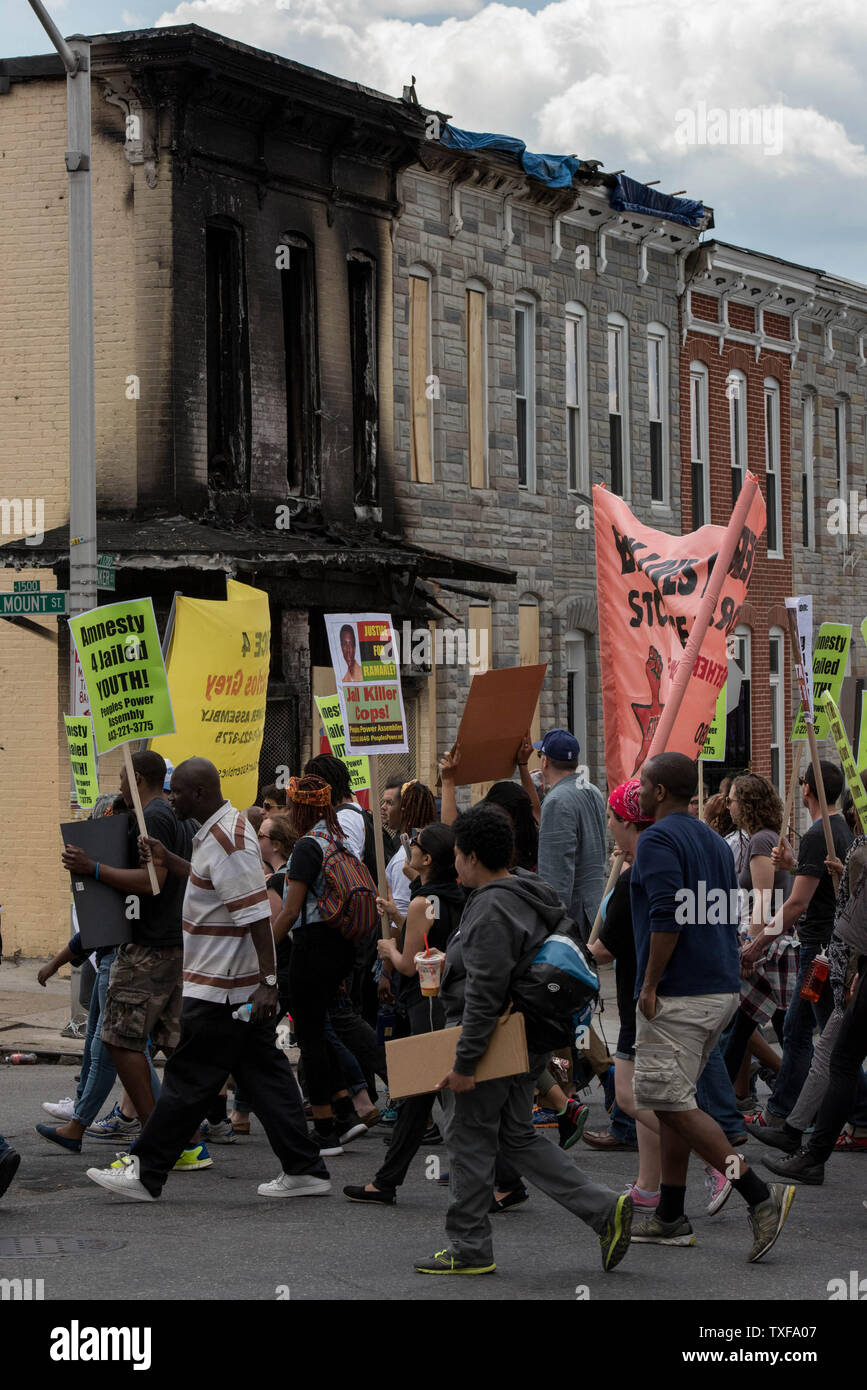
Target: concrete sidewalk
point(32, 1017)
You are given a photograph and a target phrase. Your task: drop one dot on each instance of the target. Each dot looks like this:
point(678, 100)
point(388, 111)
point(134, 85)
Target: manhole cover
point(56, 1245)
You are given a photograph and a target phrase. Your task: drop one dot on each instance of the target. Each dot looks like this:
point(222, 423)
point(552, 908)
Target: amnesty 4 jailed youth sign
point(219, 660)
point(79, 736)
point(122, 664)
point(332, 722)
point(363, 654)
point(830, 650)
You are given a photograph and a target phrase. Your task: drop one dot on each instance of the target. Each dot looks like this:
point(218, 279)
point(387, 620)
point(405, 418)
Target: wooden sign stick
point(139, 814)
point(797, 754)
point(382, 881)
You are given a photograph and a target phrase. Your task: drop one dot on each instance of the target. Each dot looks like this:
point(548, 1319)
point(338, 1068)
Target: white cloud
point(605, 79)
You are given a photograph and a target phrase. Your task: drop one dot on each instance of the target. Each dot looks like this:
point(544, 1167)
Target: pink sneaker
point(640, 1202)
point(719, 1188)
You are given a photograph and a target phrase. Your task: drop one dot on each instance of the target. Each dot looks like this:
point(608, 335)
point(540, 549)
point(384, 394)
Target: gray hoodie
point(502, 924)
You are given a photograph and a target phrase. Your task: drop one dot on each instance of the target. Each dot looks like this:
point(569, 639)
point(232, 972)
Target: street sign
point(33, 604)
point(105, 573)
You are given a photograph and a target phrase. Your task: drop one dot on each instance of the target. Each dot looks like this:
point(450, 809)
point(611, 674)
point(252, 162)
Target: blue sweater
point(683, 880)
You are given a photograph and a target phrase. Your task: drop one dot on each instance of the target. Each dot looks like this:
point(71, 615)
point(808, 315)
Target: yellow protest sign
point(358, 768)
point(218, 667)
point(847, 762)
point(830, 650)
point(79, 736)
point(714, 750)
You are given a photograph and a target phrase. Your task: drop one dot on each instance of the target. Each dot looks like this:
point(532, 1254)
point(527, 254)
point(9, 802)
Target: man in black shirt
point(144, 993)
point(810, 905)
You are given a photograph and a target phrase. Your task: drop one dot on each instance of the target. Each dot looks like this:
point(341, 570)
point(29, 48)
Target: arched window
point(423, 385)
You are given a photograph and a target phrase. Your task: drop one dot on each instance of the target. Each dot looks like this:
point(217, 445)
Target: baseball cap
point(560, 745)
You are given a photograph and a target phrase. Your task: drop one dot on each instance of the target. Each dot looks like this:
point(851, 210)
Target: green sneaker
point(444, 1263)
point(768, 1219)
point(651, 1231)
point(191, 1159)
point(614, 1236)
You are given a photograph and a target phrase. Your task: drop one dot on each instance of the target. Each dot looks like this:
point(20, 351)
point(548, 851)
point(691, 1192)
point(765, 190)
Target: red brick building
point(736, 359)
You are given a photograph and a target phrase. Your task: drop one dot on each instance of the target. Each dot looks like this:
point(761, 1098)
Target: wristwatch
point(269, 980)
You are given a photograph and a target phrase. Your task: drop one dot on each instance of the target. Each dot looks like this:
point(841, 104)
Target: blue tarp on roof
point(630, 196)
point(557, 170)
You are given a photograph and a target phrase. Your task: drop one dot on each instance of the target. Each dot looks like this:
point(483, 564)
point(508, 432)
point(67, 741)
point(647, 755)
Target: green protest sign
point(714, 750)
point(79, 736)
point(332, 722)
point(862, 736)
point(122, 664)
point(847, 762)
point(830, 651)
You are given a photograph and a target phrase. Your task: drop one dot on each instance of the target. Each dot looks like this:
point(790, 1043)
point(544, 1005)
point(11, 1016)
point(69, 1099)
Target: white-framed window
point(773, 470)
point(618, 403)
point(577, 449)
point(576, 690)
point(777, 677)
point(423, 388)
point(477, 382)
point(699, 445)
point(525, 390)
point(808, 476)
point(736, 390)
point(657, 410)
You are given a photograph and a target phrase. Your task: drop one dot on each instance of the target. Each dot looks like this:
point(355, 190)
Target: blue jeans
point(715, 1095)
point(98, 1072)
point(801, 1018)
point(622, 1127)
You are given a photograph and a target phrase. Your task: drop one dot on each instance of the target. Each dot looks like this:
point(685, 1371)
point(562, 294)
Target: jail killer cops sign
point(122, 665)
point(364, 657)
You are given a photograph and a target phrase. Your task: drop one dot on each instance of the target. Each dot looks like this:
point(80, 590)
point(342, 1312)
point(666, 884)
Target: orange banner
point(649, 588)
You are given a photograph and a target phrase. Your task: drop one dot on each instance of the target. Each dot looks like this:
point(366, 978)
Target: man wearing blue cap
point(572, 830)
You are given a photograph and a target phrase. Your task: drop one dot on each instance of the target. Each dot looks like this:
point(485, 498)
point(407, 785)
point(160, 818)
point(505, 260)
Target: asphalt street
point(212, 1237)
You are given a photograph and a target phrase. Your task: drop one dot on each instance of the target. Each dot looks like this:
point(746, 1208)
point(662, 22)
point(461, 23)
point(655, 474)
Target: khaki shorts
point(145, 988)
point(672, 1048)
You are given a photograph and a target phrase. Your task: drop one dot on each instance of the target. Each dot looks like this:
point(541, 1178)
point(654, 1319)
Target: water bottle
point(814, 980)
point(21, 1059)
point(242, 1014)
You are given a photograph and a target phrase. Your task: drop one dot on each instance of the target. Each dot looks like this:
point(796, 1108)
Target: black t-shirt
point(305, 862)
point(160, 917)
point(817, 923)
point(276, 884)
point(617, 937)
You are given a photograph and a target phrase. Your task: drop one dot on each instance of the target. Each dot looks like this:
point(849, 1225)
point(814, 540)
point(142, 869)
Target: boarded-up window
point(419, 363)
point(476, 387)
point(362, 346)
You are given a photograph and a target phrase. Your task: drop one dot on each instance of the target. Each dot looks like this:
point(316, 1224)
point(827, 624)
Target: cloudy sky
point(643, 85)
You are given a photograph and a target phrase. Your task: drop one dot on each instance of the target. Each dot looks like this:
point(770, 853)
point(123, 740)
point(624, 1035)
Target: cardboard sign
point(847, 762)
point(417, 1065)
point(830, 650)
point(332, 722)
point(122, 665)
point(499, 711)
point(79, 736)
point(364, 657)
point(714, 750)
point(101, 910)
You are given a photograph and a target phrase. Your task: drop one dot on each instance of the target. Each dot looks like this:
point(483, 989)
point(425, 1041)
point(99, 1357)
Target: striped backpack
point(348, 900)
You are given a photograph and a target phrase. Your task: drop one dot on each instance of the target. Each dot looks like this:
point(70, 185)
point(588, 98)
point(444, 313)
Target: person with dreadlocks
point(321, 960)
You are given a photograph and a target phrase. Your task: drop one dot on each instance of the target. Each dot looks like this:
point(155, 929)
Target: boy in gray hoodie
point(506, 920)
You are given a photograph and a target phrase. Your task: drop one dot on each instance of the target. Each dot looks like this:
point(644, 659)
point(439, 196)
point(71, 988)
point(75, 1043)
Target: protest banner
point(714, 749)
point(830, 650)
point(847, 761)
point(665, 605)
point(122, 666)
point(862, 735)
point(218, 664)
point(364, 657)
point(79, 737)
point(332, 722)
point(498, 712)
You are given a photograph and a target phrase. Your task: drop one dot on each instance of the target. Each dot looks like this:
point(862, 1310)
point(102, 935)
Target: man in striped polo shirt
point(229, 960)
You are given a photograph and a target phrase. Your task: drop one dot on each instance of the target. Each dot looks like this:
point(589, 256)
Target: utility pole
point(75, 54)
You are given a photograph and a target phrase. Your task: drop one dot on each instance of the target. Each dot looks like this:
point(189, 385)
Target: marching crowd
point(266, 930)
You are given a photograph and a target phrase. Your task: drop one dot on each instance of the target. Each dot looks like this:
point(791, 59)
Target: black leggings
point(849, 1052)
point(321, 959)
point(742, 1030)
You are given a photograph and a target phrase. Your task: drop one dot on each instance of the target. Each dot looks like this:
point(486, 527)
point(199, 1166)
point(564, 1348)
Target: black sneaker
point(361, 1194)
point(329, 1144)
point(432, 1135)
point(801, 1166)
point(444, 1263)
point(789, 1142)
point(8, 1168)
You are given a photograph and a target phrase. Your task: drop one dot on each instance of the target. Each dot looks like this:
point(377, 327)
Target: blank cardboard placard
point(498, 712)
point(101, 910)
point(418, 1064)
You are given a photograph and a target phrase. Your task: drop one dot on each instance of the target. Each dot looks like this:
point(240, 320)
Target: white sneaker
point(62, 1110)
point(350, 1129)
point(221, 1133)
point(295, 1185)
point(122, 1178)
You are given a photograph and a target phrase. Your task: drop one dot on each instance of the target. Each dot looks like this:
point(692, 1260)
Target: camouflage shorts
point(144, 998)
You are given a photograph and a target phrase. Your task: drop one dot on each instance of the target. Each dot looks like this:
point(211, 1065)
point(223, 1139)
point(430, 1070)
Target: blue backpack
point(555, 990)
